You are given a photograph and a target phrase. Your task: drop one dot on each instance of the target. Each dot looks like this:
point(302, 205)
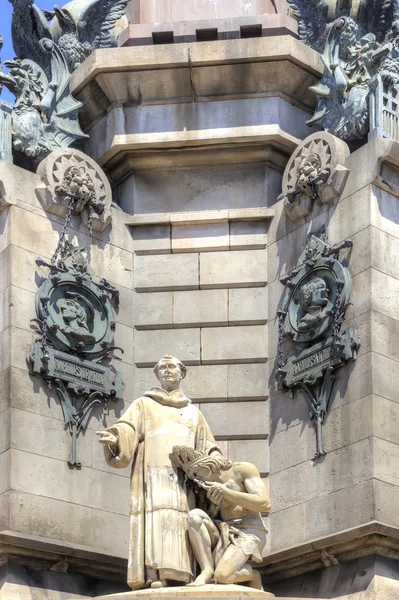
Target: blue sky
point(5, 30)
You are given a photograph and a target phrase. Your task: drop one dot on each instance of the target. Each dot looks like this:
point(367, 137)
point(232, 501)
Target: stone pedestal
point(211, 592)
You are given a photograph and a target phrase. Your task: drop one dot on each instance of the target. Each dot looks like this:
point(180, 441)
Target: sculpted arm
point(256, 498)
point(120, 441)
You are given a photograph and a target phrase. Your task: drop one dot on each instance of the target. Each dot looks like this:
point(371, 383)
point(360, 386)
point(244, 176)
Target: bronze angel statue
point(49, 46)
point(359, 42)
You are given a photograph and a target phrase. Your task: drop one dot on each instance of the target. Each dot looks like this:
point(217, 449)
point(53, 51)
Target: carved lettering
point(83, 373)
point(313, 360)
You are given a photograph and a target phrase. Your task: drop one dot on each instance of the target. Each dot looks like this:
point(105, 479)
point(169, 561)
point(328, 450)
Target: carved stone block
point(315, 171)
point(71, 179)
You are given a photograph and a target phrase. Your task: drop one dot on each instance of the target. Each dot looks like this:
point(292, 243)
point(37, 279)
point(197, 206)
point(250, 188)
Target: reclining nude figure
point(233, 532)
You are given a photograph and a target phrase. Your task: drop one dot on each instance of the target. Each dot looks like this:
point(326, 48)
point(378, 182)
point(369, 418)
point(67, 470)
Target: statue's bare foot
point(203, 579)
point(256, 581)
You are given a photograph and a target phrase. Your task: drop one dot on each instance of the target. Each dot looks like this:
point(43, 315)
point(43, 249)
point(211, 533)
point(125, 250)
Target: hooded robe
point(160, 499)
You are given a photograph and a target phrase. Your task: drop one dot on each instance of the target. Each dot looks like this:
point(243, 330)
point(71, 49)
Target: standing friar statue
point(160, 552)
point(188, 503)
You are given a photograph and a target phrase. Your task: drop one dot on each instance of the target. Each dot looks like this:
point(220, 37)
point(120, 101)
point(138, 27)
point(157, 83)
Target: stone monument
point(164, 529)
point(215, 180)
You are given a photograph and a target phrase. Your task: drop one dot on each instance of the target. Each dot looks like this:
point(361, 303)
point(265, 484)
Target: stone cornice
point(343, 547)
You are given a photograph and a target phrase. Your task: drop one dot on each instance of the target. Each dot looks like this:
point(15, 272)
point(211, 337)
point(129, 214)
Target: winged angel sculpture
point(359, 41)
point(49, 47)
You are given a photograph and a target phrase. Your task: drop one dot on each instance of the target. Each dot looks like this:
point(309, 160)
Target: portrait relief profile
point(78, 317)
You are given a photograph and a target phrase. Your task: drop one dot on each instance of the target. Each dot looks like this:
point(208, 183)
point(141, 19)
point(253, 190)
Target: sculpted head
point(170, 371)
point(199, 466)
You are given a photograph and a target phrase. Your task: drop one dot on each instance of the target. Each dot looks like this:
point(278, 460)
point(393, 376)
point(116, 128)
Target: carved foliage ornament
point(314, 306)
point(76, 322)
point(71, 180)
point(315, 172)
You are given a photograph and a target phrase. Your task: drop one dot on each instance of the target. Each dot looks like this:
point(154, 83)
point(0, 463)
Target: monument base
point(219, 592)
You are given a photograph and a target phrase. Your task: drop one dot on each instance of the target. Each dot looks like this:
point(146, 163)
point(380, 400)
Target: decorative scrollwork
point(314, 305)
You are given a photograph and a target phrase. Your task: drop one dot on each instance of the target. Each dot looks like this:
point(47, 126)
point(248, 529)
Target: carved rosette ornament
point(76, 322)
point(74, 183)
point(314, 305)
point(314, 173)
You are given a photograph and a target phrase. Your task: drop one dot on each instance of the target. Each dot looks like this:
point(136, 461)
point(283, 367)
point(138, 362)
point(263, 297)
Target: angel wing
point(29, 26)
point(312, 17)
point(97, 21)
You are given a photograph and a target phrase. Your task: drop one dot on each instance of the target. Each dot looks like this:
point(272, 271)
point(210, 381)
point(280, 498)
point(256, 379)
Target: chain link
point(60, 249)
point(337, 312)
point(90, 222)
point(281, 316)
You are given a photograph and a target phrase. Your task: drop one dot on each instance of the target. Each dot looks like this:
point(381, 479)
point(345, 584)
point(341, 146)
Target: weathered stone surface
point(5, 465)
point(384, 376)
point(384, 248)
point(153, 310)
point(342, 468)
point(287, 527)
point(4, 512)
point(47, 517)
point(386, 498)
point(234, 344)
point(384, 293)
point(253, 451)
point(385, 459)
point(344, 426)
point(248, 306)
point(386, 419)
point(200, 308)
point(248, 235)
point(44, 476)
point(124, 339)
point(110, 532)
point(5, 270)
point(46, 436)
point(345, 508)
point(151, 240)
point(5, 425)
point(237, 419)
point(150, 345)
point(200, 238)
point(384, 211)
point(233, 269)
point(247, 381)
point(166, 272)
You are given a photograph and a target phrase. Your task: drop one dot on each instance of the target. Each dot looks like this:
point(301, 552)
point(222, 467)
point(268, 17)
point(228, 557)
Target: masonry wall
point(356, 482)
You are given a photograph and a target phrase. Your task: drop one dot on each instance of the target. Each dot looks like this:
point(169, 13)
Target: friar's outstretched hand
point(108, 438)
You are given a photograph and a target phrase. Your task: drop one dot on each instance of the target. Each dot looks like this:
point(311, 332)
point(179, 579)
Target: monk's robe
point(160, 499)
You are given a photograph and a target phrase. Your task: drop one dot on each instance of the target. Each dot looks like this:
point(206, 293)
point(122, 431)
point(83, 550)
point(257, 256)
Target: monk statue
point(160, 551)
point(231, 532)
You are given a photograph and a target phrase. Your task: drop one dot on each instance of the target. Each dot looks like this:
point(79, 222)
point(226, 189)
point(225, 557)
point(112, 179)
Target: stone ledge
point(195, 54)
point(205, 216)
point(365, 540)
point(46, 553)
point(141, 34)
point(206, 591)
point(255, 144)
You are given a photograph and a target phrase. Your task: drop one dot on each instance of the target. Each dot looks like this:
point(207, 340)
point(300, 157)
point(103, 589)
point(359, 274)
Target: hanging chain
point(90, 222)
point(60, 249)
point(280, 361)
point(44, 326)
point(337, 312)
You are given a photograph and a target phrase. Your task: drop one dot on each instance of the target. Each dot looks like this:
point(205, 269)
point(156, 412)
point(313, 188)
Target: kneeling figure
point(230, 532)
